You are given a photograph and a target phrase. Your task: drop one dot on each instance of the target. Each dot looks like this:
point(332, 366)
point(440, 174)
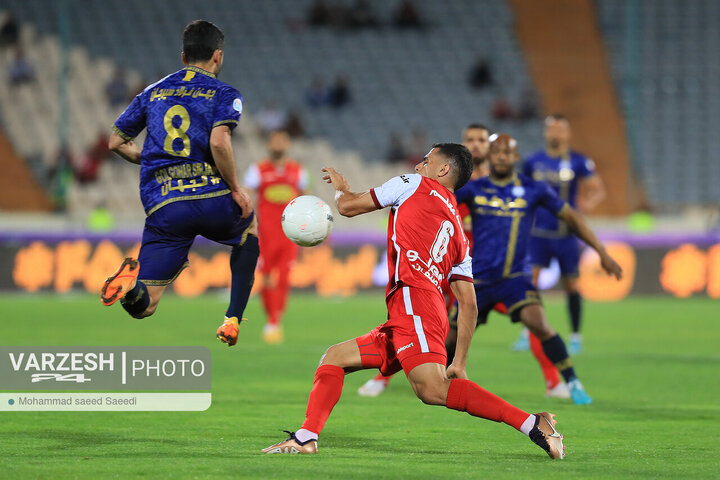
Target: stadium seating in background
point(664, 56)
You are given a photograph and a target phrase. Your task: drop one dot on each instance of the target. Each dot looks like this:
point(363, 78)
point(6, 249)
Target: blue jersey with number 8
point(180, 112)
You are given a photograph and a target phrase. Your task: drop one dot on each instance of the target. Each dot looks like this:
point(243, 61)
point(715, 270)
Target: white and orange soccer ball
point(307, 220)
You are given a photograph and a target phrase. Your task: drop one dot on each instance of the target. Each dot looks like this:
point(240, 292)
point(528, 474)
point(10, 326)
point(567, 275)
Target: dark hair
point(461, 165)
point(200, 40)
point(477, 126)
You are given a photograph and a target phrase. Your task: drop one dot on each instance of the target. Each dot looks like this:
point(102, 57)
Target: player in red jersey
point(426, 245)
point(276, 180)
point(476, 139)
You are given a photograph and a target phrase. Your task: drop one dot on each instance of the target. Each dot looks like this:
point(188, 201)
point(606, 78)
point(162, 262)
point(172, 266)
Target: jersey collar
point(200, 70)
point(502, 183)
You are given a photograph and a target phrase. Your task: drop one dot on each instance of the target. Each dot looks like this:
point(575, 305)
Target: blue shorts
point(565, 249)
point(516, 293)
point(170, 231)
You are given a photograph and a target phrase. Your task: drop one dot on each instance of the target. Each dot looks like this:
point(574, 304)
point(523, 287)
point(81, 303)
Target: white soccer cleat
point(560, 390)
point(372, 388)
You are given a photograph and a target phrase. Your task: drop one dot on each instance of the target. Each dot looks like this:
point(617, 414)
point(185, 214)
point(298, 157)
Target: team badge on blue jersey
point(518, 191)
point(237, 105)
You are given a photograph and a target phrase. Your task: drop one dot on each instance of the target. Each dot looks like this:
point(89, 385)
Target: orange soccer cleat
point(120, 282)
point(228, 331)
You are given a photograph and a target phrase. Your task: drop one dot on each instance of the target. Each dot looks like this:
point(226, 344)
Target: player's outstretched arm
point(348, 203)
point(466, 321)
point(127, 149)
point(222, 152)
point(577, 224)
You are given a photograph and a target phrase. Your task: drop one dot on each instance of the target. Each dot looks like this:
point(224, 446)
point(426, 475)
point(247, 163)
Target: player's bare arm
point(127, 149)
point(348, 203)
point(222, 152)
point(580, 228)
point(466, 321)
point(592, 192)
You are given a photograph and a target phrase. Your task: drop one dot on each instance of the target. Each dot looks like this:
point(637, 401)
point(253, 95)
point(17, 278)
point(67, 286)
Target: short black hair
point(461, 165)
point(477, 126)
point(200, 40)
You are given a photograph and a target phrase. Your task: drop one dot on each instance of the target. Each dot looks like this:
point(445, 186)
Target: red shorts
point(414, 333)
point(276, 253)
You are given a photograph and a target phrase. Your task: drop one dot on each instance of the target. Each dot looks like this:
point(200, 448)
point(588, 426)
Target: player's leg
point(349, 356)
point(540, 257)
point(568, 254)
point(221, 221)
point(163, 255)
point(432, 387)
point(533, 317)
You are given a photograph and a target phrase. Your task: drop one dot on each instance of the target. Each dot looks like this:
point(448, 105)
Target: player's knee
point(430, 394)
point(331, 356)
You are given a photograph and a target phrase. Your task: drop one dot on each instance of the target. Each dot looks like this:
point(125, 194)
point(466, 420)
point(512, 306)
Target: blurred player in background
point(503, 207)
point(572, 176)
point(276, 180)
point(188, 182)
point(426, 245)
point(475, 139)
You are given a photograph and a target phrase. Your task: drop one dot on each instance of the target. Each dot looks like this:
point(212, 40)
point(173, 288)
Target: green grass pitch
point(652, 366)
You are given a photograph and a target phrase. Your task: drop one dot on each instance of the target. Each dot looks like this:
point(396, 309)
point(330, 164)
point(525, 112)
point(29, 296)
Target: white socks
point(304, 435)
point(528, 425)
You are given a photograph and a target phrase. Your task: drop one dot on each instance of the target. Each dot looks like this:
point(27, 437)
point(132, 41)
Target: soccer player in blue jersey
point(503, 206)
point(188, 181)
point(572, 176)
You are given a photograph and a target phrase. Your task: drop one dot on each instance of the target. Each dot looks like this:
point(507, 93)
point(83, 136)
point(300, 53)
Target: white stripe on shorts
point(418, 321)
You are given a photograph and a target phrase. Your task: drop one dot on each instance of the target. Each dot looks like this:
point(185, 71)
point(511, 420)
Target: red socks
point(324, 395)
point(274, 298)
point(466, 396)
point(550, 372)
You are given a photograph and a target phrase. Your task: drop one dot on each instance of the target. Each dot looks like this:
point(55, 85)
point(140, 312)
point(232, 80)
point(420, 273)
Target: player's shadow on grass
point(63, 440)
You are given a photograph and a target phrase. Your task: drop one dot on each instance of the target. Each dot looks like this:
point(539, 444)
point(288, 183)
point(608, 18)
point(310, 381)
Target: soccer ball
point(307, 220)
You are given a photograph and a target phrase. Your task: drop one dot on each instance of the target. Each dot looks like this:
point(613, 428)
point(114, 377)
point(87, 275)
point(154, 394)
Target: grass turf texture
point(651, 365)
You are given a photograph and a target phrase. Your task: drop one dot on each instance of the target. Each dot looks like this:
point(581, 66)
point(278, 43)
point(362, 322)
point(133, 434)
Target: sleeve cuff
point(461, 278)
point(122, 134)
point(229, 122)
point(374, 198)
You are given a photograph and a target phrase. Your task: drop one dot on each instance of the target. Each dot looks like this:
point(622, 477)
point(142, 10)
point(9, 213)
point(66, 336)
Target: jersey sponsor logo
point(445, 201)
point(405, 347)
point(404, 179)
point(279, 193)
point(237, 105)
point(497, 202)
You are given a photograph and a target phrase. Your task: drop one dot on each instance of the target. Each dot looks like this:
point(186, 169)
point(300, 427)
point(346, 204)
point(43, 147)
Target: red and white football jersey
point(276, 186)
point(426, 242)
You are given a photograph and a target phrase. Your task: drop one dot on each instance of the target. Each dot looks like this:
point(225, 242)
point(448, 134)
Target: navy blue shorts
point(565, 249)
point(516, 293)
point(170, 231)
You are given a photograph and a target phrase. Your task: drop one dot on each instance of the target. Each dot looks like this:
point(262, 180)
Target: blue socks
point(554, 348)
point(575, 307)
point(136, 301)
point(243, 260)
